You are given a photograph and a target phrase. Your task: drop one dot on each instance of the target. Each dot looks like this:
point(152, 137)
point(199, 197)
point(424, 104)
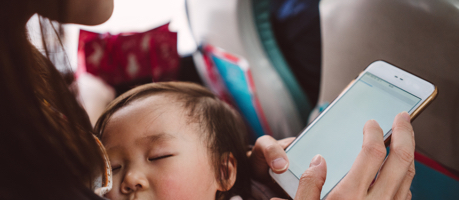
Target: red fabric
point(127, 57)
point(434, 165)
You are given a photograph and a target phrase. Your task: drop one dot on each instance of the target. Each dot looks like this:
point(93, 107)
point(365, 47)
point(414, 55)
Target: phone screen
point(338, 134)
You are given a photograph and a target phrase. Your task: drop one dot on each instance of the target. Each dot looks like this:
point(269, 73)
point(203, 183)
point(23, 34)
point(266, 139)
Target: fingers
point(312, 180)
point(404, 190)
point(369, 160)
point(409, 196)
point(398, 170)
point(268, 153)
point(285, 142)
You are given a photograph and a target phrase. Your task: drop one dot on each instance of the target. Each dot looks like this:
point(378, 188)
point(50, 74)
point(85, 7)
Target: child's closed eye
point(115, 168)
point(159, 157)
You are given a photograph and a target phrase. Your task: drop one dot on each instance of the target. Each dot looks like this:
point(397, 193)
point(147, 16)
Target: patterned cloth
point(128, 57)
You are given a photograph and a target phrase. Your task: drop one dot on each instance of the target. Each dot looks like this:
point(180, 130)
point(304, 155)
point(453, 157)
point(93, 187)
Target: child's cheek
point(182, 182)
point(174, 186)
point(114, 193)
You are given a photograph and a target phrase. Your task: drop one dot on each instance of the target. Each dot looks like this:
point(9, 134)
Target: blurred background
point(279, 62)
point(128, 16)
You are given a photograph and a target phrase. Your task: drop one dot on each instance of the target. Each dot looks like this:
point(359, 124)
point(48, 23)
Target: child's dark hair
point(224, 128)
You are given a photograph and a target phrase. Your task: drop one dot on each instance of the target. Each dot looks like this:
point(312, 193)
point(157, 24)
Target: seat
point(242, 28)
point(264, 29)
point(420, 36)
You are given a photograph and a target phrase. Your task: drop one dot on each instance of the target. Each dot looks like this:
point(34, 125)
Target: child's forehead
point(148, 107)
point(152, 103)
point(156, 99)
point(154, 112)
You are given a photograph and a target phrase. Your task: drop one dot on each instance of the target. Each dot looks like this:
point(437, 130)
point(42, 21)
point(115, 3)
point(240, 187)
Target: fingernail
point(405, 116)
point(316, 160)
point(279, 164)
point(374, 121)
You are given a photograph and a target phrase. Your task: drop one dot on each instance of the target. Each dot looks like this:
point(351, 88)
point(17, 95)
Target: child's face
point(156, 153)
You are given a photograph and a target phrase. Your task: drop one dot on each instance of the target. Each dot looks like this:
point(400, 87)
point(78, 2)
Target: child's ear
point(228, 170)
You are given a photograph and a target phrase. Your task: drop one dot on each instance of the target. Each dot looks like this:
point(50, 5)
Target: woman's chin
point(88, 12)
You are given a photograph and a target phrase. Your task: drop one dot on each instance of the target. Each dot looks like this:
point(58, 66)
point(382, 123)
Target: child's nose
point(134, 182)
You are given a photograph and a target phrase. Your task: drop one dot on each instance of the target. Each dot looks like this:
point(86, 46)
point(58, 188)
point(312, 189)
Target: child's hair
point(224, 128)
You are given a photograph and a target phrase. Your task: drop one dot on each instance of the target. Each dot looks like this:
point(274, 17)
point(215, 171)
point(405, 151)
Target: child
point(174, 140)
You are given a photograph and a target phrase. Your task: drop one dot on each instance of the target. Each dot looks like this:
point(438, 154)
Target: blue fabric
point(296, 26)
point(291, 8)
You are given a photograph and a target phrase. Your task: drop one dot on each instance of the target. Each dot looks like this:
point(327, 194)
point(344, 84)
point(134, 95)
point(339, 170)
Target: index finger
point(368, 161)
point(400, 157)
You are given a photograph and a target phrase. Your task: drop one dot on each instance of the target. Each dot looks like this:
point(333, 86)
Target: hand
point(395, 175)
point(269, 153)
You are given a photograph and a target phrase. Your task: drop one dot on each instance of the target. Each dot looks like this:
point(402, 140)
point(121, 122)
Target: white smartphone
point(380, 92)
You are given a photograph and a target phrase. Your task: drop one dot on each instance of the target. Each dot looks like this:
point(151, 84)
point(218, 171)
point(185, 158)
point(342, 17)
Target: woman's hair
point(47, 149)
point(224, 128)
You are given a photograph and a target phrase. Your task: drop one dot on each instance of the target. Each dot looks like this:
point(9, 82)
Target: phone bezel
point(386, 71)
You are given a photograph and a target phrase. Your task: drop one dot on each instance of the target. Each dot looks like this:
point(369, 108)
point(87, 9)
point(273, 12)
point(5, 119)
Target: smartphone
point(380, 92)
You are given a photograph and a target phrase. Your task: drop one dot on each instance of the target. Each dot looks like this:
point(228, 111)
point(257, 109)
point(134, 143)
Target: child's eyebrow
point(154, 138)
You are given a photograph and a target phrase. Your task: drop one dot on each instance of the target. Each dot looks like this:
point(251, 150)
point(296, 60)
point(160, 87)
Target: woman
point(48, 150)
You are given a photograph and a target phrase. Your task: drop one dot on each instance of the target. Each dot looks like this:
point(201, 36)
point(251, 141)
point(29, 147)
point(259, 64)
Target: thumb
point(312, 180)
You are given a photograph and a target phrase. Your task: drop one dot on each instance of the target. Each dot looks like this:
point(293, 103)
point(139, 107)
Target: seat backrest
point(420, 36)
point(262, 21)
point(230, 25)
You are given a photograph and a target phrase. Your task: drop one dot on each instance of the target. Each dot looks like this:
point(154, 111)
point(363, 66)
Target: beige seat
point(230, 25)
point(420, 36)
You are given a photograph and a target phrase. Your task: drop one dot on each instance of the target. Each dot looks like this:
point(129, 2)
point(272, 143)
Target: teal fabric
point(431, 184)
point(237, 84)
point(323, 106)
point(266, 35)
